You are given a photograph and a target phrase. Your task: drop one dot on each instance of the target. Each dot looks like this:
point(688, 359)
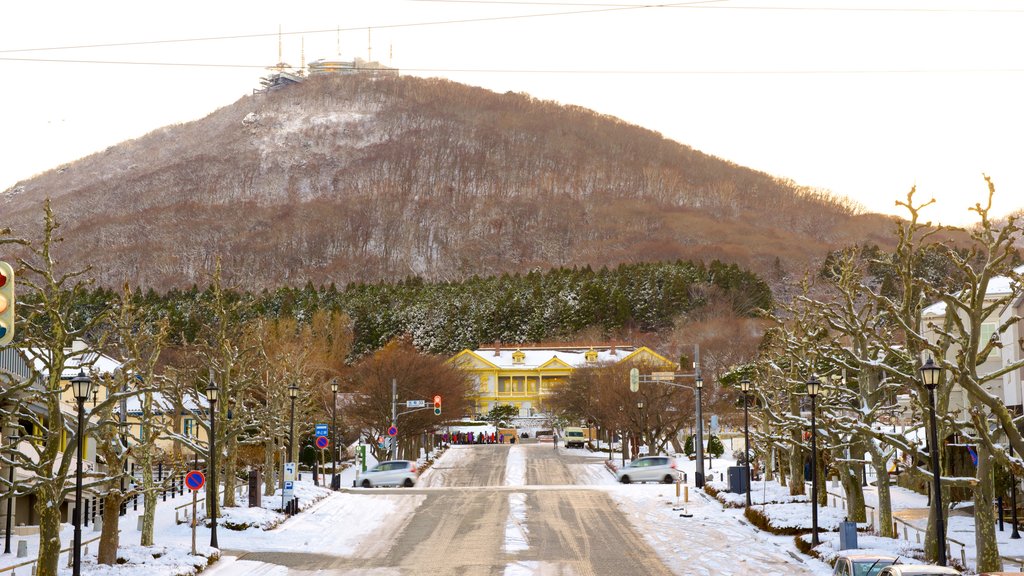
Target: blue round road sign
point(393, 431)
point(195, 480)
point(321, 442)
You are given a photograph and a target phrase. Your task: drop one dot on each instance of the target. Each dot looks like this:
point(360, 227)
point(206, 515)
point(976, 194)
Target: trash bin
point(847, 535)
point(738, 479)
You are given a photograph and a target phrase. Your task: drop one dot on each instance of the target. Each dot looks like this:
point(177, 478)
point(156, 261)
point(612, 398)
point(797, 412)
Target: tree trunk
point(881, 466)
point(850, 477)
point(822, 479)
point(49, 529)
point(269, 451)
point(796, 455)
point(148, 498)
point(984, 515)
point(109, 537)
point(230, 471)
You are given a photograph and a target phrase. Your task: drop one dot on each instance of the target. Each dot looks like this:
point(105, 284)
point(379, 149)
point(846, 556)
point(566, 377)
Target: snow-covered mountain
point(355, 179)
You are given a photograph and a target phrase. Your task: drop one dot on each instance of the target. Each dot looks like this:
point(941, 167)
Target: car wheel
point(668, 479)
point(625, 480)
point(408, 483)
point(366, 483)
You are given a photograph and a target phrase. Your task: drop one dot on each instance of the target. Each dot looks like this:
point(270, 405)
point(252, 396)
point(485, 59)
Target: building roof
point(551, 357)
point(997, 286)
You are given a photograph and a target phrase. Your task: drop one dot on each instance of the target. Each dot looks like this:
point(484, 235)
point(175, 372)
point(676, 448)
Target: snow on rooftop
point(534, 357)
point(998, 286)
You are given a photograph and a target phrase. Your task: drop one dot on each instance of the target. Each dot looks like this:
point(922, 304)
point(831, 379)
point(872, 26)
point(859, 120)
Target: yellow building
point(525, 377)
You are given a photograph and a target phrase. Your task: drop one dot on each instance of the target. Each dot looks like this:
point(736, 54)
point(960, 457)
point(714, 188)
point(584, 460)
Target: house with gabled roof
point(526, 376)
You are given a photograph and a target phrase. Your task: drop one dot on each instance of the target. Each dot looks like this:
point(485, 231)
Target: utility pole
point(394, 417)
point(698, 477)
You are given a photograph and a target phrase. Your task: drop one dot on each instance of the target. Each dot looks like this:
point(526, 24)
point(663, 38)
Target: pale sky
point(862, 98)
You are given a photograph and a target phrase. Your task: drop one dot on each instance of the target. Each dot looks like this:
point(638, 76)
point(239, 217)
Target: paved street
point(470, 522)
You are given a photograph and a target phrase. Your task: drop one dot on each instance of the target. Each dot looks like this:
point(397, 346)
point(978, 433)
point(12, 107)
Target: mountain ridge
point(360, 179)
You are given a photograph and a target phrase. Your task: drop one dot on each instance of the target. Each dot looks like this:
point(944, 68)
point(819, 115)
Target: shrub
point(715, 447)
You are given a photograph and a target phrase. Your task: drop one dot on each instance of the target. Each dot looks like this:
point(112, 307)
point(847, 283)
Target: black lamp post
point(80, 386)
point(335, 481)
point(813, 387)
point(640, 420)
point(211, 394)
point(698, 479)
point(293, 392)
point(745, 386)
point(1015, 535)
point(930, 378)
point(10, 495)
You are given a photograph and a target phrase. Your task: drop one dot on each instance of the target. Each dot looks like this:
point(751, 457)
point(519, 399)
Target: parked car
point(390, 473)
point(649, 469)
point(917, 570)
point(861, 564)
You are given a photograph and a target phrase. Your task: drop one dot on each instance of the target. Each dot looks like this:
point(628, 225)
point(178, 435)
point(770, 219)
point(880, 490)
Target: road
point(498, 509)
point(501, 510)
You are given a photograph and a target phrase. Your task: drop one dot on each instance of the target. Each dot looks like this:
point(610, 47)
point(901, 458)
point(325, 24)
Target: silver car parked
point(390, 473)
point(649, 469)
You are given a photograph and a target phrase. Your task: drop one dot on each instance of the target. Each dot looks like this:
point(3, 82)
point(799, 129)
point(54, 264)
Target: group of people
point(477, 438)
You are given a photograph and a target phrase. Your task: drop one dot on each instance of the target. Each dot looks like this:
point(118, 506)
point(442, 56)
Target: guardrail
point(836, 498)
point(14, 567)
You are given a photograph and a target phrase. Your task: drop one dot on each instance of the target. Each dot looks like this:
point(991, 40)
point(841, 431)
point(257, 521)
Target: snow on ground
point(450, 459)
point(515, 467)
point(515, 525)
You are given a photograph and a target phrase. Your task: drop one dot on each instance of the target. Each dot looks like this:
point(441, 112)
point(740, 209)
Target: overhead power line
point(738, 7)
point(568, 71)
point(335, 30)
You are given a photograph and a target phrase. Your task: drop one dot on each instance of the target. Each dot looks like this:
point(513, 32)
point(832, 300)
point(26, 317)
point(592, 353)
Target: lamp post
point(80, 386)
point(813, 387)
point(1015, 535)
point(640, 421)
point(698, 477)
point(211, 395)
point(745, 386)
point(335, 481)
point(10, 495)
point(930, 378)
point(293, 392)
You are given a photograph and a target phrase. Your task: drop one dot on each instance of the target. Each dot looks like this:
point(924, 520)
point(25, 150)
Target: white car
point(854, 564)
point(649, 469)
point(390, 473)
point(917, 570)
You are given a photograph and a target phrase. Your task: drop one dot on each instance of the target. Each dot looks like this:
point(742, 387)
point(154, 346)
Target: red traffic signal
point(6, 303)
point(437, 405)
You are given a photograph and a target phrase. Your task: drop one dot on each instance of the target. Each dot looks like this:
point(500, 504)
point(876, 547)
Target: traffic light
point(6, 304)
point(437, 405)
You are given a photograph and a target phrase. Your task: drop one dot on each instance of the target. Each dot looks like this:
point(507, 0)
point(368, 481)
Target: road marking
point(515, 525)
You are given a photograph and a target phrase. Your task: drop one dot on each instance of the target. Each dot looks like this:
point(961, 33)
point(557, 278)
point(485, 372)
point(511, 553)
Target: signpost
point(195, 481)
point(415, 403)
point(289, 483)
point(321, 430)
point(322, 442)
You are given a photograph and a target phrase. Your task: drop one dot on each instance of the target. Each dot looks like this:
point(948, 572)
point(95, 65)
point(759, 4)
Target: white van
point(574, 437)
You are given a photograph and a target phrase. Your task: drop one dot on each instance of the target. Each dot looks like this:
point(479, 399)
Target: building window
point(987, 330)
point(483, 383)
point(520, 385)
point(188, 428)
point(503, 385)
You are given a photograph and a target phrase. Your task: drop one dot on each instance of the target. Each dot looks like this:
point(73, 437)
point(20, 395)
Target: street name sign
point(415, 403)
point(663, 376)
point(321, 430)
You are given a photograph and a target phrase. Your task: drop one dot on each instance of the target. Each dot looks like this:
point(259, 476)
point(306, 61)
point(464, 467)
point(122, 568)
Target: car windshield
point(869, 567)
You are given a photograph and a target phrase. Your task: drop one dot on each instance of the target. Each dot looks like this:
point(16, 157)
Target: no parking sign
point(321, 442)
point(195, 480)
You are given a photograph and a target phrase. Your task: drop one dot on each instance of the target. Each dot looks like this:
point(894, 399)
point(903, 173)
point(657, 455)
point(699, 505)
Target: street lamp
point(813, 387)
point(211, 394)
point(640, 419)
point(1015, 535)
point(293, 392)
point(335, 481)
point(745, 386)
point(10, 495)
point(930, 378)
point(80, 386)
point(698, 480)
